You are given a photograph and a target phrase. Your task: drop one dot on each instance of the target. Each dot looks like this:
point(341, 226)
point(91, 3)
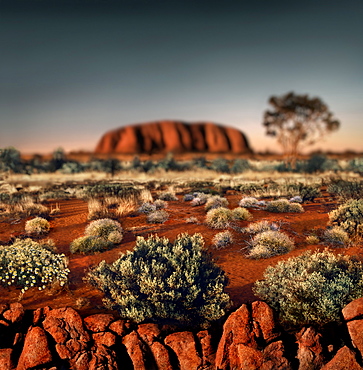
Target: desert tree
point(298, 121)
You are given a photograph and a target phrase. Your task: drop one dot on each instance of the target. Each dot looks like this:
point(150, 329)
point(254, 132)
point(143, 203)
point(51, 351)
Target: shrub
point(349, 216)
point(241, 214)
point(219, 218)
point(248, 202)
point(216, 201)
point(311, 288)
point(97, 209)
point(270, 243)
point(220, 165)
point(28, 264)
point(164, 282)
point(312, 239)
point(283, 205)
point(104, 228)
point(240, 165)
point(191, 220)
point(147, 208)
point(37, 226)
point(296, 199)
point(89, 244)
point(160, 204)
point(336, 236)
point(188, 197)
point(200, 199)
point(168, 195)
point(222, 239)
point(157, 217)
point(261, 226)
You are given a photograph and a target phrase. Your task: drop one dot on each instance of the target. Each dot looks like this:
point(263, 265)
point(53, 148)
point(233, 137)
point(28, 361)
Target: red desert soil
point(242, 272)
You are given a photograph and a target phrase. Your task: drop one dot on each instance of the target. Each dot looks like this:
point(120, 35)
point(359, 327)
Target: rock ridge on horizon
point(171, 136)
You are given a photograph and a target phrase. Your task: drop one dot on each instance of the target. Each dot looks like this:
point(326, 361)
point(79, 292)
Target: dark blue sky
point(70, 72)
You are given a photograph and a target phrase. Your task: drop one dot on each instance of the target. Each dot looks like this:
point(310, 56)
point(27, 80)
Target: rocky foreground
point(251, 339)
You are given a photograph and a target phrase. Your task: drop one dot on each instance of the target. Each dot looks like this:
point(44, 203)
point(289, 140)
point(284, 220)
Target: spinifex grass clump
point(311, 288)
point(164, 282)
point(105, 228)
point(241, 214)
point(283, 205)
point(248, 202)
point(157, 217)
point(336, 237)
point(219, 218)
point(349, 217)
point(28, 264)
point(270, 243)
point(261, 226)
point(216, 201)
point(37, 226)
point(222, 239)
point(89, 244)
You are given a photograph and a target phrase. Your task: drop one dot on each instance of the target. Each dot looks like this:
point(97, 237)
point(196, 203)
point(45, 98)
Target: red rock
point(4, 323)
point(263, 317)
point(236, 330)
point(173, 136)
point(161, 356)
point(183, 344)
point(36, 350)
point(355, 329)
point(353, 309)
point(54, 327)
point(37, 316)
point(120, 327)
point(310, 351)
point(6, 362)
point(103, 358)
point(273, 357)
point(135, 350)
point(208, 352)
point(148, 332)
point(17, 339)
point(15, 313)
point(343, 360)
point(81, 362)
point(99, 322)
point(247, 358)
point(105, 338)
point(63, 352)
point(3, 308)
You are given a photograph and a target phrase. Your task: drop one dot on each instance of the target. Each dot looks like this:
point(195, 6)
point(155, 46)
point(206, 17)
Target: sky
point(72, 70)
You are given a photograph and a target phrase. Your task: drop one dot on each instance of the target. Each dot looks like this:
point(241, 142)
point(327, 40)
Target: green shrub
point(89, 244)
point(216, 201)
point(164, 282)
point(283, 205)
point(270, 243)
point(157, 217)
point(219, 218)
point(349, 217)
point(336, 236)
point(28, 264)
point(241, 214)
point(222, 239)
point(261, 226)
point(311, 288)
point(104, 228)
point(37, 226)
point(346, 190)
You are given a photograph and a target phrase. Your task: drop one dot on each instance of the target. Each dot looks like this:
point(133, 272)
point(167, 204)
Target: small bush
point(336, 236)
point(349, 216)
point(164, 282)
point(283, 205)
point(157, 217)
point(241, 214)
point(28, 264)
point(248, 202)
point(168, 195)
point(147, 208)
point(103, 228)
point(89, 244)
point(222, 239)
point(216, 201)
point(261, 226)
point(200, 199)
point(311, 288)
point(296, 199)
point(97, 209)
point(312, 239)
point(160, 204)
point(219, 218)
point(37, 226)
point(270, 243)
point(188, 197)
point(191, 220)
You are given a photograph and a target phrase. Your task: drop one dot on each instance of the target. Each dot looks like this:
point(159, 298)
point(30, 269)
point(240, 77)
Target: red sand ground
point(242, 272)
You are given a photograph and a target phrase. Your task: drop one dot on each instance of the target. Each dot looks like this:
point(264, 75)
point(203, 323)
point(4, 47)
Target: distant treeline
point(11, 161)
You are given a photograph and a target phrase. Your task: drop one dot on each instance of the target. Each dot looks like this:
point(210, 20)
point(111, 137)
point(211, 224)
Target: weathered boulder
point(36, 350)
point(99, 322)
point(15, 313)
point(310, 351)
point(175, 137)
point(353, 310)
point(6, 362)
point(343, 360)
point(136, 350)
point(208, 352)
point(184, 346)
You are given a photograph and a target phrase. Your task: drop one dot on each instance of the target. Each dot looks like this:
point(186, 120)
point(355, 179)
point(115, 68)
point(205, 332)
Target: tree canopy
point(298, 121)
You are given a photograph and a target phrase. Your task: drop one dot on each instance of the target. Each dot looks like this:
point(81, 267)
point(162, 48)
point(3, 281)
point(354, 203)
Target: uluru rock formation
point(173, 137)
